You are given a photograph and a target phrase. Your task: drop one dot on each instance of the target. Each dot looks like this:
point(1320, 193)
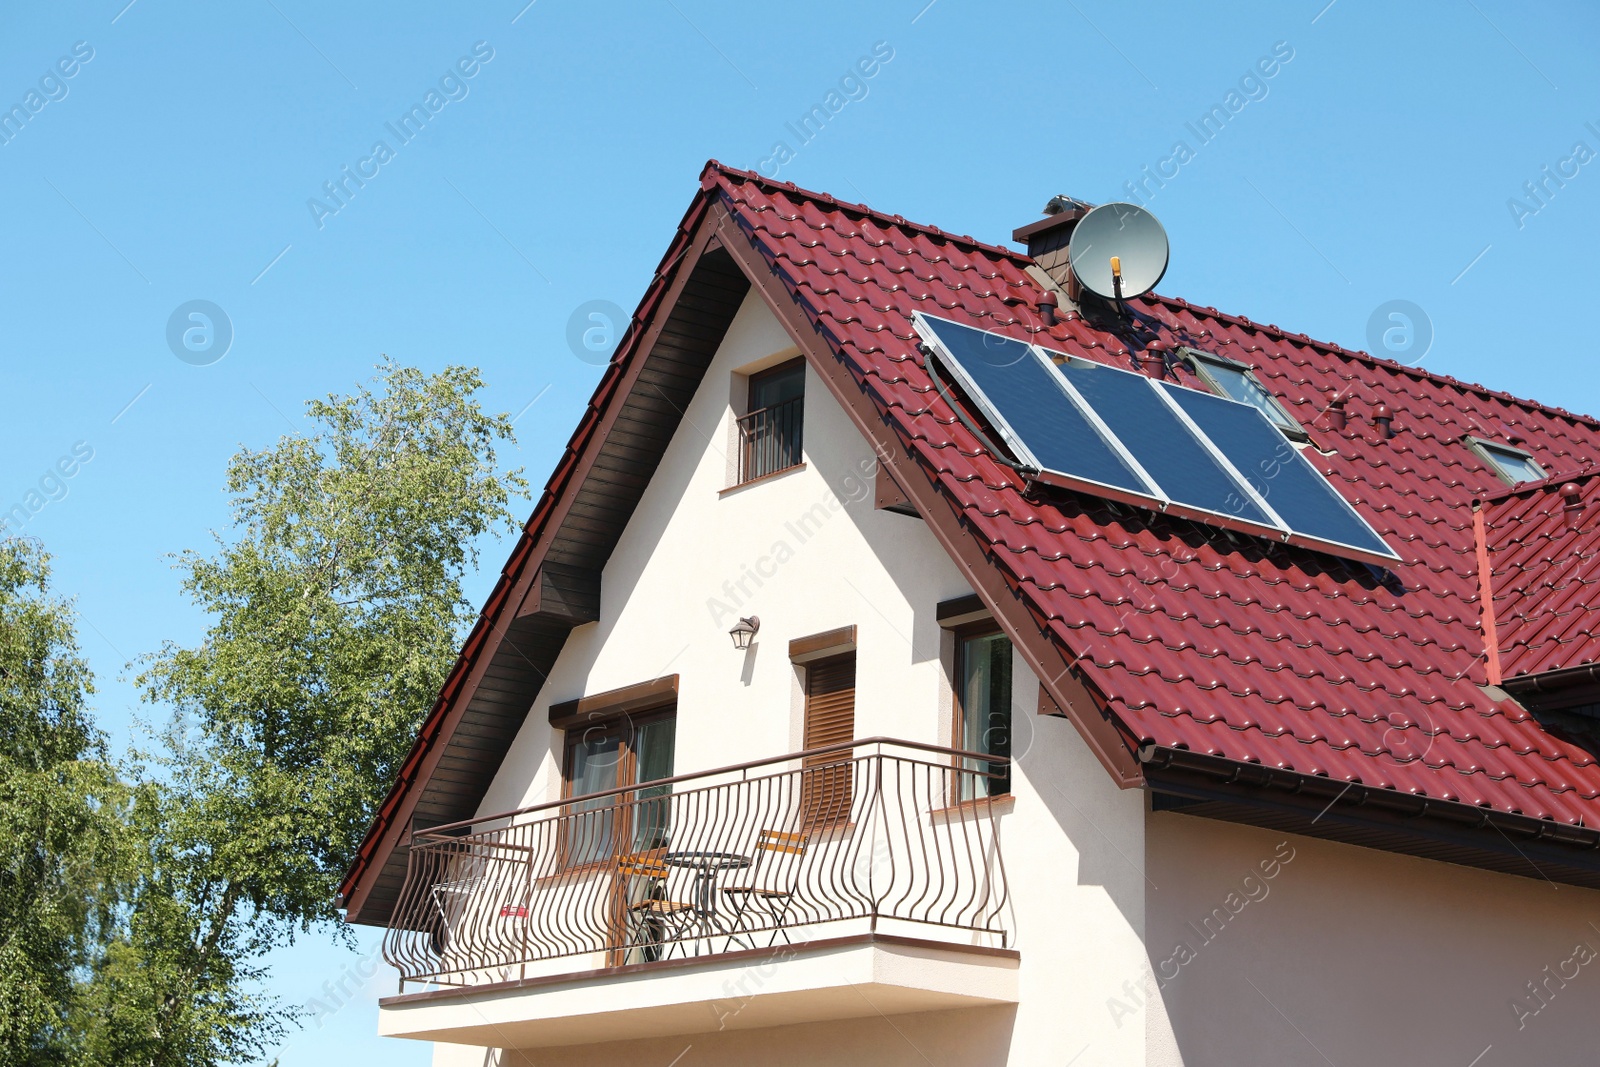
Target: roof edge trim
point(389, 823)
point(1258, 778)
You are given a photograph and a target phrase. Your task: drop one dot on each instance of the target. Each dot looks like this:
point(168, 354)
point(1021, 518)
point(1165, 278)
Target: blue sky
point(1383, 159)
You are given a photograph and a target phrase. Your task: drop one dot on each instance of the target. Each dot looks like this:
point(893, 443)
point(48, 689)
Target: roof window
point(1512, 464)
point(1237, 382)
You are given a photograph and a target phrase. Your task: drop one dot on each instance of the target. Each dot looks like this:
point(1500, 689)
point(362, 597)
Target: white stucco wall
point(1352, 956)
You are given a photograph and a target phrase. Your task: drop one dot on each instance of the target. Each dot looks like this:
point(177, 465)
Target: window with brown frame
point(826, 781)
point(608, 754)
point(770, 434)
point(982, 685)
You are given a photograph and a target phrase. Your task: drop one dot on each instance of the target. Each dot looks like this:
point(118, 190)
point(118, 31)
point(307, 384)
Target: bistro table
point(707, 866)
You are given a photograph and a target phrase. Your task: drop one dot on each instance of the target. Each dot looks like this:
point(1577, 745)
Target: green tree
point(336, 608)
point(59, 810)
point(172, 983)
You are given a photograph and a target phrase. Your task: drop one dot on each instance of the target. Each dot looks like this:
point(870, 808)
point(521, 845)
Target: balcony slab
point(838, 978)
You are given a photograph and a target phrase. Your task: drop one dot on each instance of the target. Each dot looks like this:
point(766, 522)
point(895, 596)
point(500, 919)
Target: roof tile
point(1542, 547)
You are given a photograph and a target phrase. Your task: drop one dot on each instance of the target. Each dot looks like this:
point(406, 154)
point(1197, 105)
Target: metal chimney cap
point(1062, 202)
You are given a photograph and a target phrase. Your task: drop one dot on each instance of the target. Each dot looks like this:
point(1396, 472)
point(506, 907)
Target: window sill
point(763, 478)
point(999, 805)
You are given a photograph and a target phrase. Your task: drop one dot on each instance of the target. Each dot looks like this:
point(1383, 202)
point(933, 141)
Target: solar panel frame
point(1221, 457)
point(1014, 440)
point(957, 370)
point(1157, 499)
point(1111, 436)
point(1291, 534)
point(1196, 439)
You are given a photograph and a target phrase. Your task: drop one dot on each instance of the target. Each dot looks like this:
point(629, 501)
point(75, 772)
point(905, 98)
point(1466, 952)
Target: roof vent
point(1338, 418)
point(1383, 419)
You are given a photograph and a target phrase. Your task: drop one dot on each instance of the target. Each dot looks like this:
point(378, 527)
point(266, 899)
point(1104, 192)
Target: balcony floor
point(838, 978)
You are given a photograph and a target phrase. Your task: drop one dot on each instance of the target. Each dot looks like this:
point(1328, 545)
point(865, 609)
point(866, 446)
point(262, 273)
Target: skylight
point(1120, 435)
point(1236, 382)
point(1511, 464)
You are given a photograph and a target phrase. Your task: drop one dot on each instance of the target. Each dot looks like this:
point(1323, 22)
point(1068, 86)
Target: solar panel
point(1277, 471)
point(1181, 464)
point(1031, 408)
point(1094, 428)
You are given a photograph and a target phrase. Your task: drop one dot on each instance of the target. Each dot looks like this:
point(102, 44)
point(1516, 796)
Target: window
point(621, 752)
point(826, 782)
point(1512, 464)
point(983, 709)
point(769, 436)
point(1236, 382)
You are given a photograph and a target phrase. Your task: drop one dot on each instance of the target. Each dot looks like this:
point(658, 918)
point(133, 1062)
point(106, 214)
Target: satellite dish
point(1126, 234)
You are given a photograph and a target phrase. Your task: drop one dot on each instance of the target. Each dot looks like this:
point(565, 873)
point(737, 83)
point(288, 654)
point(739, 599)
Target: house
point(808, 724)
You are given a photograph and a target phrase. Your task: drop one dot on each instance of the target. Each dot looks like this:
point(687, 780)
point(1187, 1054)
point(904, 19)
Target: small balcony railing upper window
point(770, 435)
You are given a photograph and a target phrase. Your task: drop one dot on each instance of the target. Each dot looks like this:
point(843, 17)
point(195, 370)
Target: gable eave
point(575, 525)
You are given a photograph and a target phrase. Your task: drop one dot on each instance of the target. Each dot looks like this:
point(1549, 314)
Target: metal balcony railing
point(778, 851)
point(769, 439)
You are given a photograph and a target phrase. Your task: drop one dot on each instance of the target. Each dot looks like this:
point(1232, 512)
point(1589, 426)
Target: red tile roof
point(1541, 542)
point(1233, 647)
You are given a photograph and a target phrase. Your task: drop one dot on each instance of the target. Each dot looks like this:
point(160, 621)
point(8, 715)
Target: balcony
point(839, 882)
point(769, 440)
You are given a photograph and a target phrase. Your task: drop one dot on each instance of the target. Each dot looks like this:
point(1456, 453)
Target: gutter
point(1346, 795)
point(1552, 681)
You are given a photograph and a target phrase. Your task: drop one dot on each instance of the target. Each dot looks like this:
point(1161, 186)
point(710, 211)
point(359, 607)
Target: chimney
point(1047, 239)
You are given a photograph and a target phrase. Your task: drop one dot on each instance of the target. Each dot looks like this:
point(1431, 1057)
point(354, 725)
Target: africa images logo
point(52, 88)
point(199, 332)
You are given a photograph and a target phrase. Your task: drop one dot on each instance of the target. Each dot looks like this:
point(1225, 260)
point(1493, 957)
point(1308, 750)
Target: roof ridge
point(714, 166)
point(1376, 361)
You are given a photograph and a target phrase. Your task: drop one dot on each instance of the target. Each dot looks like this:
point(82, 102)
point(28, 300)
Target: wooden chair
point(654, 922)
point(774, 876)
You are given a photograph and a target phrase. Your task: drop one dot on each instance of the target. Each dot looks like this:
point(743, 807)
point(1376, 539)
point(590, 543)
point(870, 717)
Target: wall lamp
point(743, 631)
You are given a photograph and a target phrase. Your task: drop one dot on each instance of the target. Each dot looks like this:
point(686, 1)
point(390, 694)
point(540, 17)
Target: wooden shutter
point(825, 781)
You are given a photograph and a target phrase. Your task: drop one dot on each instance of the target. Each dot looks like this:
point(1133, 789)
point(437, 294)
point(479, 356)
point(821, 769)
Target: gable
point(1537, 552)
point(806, 550)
